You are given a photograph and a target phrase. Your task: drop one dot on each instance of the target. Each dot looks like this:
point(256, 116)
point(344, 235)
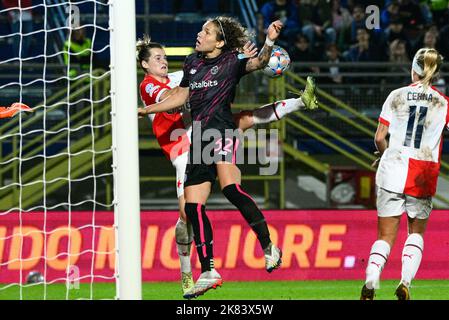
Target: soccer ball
point(278, 64)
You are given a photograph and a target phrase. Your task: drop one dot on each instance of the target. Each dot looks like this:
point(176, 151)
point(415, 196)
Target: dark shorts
point(203, 158)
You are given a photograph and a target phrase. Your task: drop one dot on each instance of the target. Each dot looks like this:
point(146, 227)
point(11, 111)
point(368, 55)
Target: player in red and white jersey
point(172, 129)
point(164, 123)
point(414, 117)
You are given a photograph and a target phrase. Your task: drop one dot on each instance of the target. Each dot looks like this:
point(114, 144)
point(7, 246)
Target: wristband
point(269, 42)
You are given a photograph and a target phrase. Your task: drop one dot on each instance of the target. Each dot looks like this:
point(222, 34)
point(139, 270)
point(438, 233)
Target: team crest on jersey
point(214, 70)
point(151, 89)
point(193, 71)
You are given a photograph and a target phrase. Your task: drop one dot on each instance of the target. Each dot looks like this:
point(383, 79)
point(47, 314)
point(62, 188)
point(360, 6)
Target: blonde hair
point(430, 61)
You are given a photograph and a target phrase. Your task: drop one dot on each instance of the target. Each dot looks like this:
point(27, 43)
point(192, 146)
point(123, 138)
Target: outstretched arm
point(262, 59)
point(175, 98)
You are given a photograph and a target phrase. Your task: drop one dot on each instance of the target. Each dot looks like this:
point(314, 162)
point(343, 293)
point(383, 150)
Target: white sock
point(411, 257)
point(183, 244)
point(378, 257)
point(275, 111)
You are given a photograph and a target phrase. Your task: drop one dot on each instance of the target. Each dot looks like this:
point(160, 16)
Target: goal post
point(125, 149)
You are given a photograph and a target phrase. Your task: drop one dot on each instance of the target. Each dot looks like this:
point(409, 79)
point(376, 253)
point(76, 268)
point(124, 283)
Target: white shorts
point(180, 164)
point(391, 204)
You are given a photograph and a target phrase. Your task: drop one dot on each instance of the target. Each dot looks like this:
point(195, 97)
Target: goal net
point(69, 169)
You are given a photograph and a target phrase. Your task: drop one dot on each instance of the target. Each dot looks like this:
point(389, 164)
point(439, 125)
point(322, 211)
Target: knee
point(230, 192)
point(190, 210)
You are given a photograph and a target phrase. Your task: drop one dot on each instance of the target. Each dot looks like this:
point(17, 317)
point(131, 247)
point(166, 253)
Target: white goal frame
point(125, 149)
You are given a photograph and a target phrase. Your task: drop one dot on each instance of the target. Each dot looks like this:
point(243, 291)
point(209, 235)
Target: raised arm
point(172, 100)
point(262, 59)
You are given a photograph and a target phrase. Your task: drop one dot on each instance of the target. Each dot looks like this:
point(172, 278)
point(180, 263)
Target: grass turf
point(270, 290)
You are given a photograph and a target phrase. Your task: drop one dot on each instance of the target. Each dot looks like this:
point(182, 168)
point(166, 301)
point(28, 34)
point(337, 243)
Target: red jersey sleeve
point(151, 90)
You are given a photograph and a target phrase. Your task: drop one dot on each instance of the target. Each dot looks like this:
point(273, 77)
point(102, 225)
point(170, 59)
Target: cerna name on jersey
point(419, 96)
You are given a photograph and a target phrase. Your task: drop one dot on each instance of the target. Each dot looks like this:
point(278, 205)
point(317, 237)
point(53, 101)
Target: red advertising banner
point(331, 244)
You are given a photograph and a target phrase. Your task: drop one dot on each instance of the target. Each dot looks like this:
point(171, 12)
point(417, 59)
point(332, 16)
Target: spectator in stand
point(319, 30)
point(398, 52)
point(301, 52)
point(347, 36)
point(16, 19)
point(430, 38)
point(411, 15)
point(364, 50)
point(390, 11)
point(414, 37)
point(341, 17)
point(395, 30)
point(358, 15)
point(333, 57)
point(79, 48)
point(398, 55)
point(287, 12)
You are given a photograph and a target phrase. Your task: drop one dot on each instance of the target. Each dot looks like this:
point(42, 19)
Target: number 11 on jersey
point(417, 131)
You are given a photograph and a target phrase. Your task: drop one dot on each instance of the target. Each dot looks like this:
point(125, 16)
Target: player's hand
point(375, 164)
point(250, 50)
point(274, 30)
point(141, 112)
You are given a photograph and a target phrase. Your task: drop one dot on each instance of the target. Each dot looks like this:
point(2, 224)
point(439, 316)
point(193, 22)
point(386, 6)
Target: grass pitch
point(269, 290)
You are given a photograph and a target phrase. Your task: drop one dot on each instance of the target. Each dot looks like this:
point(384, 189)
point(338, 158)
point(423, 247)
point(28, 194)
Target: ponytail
point(430, 61)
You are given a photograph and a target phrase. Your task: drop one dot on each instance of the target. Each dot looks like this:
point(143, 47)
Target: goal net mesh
point(57, 238)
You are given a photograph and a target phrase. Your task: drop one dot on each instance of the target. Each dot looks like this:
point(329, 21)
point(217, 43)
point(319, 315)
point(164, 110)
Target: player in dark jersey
point(209, 84)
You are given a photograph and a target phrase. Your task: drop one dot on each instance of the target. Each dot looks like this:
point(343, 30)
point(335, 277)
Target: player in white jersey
point(414, 117)
point(157, 85)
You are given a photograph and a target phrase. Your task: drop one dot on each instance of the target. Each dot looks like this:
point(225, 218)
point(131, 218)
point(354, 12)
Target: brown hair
point(231, 32)
point(430, 61)
point(143, 47)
